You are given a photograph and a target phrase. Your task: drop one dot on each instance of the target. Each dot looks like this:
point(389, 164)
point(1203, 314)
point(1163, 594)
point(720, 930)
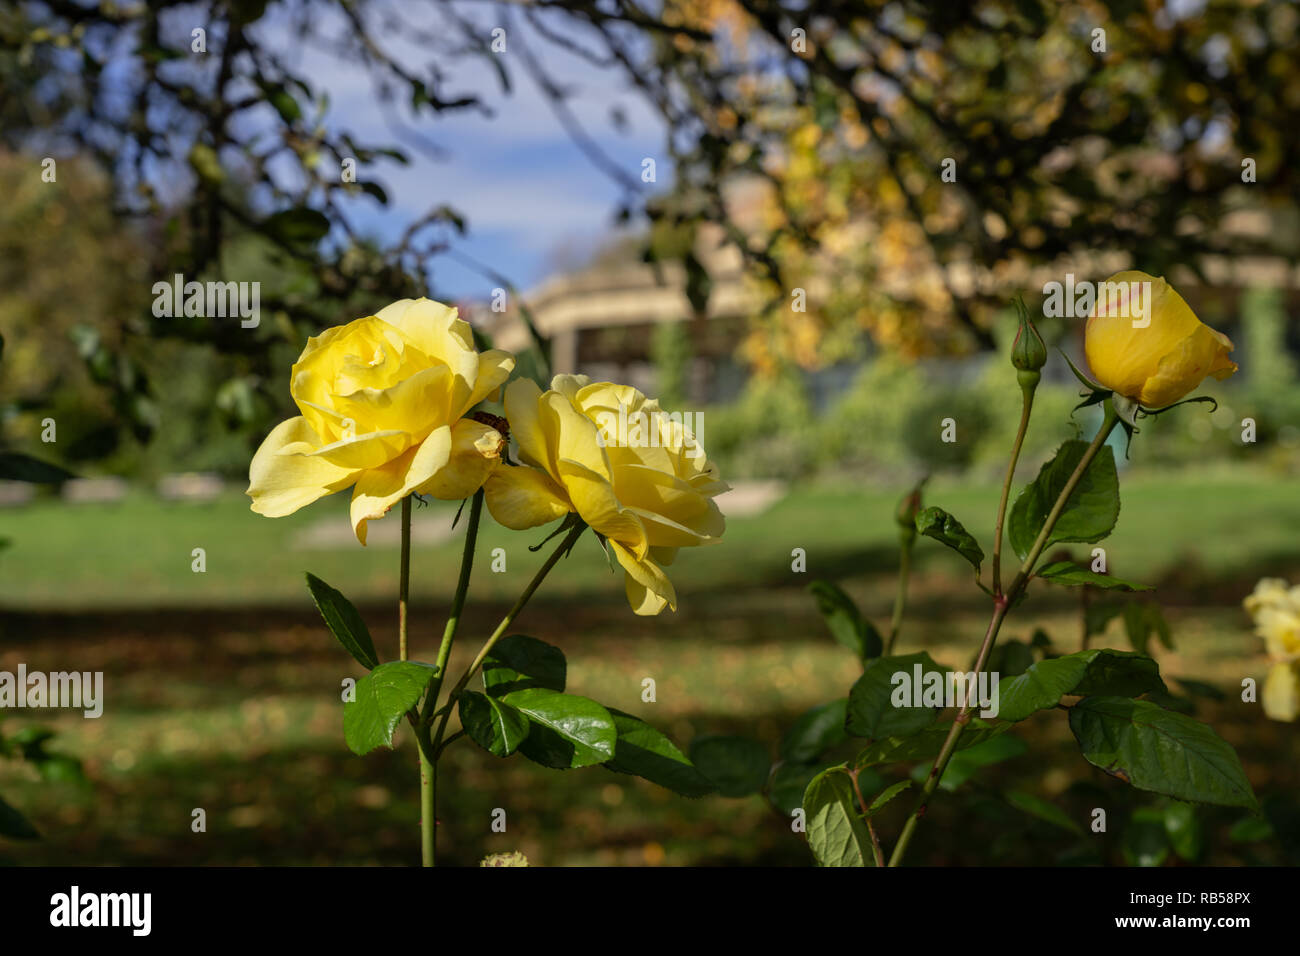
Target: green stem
point(1027, 405)
point(900, 596)
point(428, 753)
point(404, 578)
point(1001, 605)
point(560, 550)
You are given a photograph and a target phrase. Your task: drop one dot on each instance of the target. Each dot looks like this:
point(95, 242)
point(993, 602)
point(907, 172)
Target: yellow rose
point(382, 400)
point(634, 474)
point(1270, 592)
point(1281, 696)
point(1151, 348)
point(1280, 629)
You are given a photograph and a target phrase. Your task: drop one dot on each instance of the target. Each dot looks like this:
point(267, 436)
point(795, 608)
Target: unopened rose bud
point(1028, 352)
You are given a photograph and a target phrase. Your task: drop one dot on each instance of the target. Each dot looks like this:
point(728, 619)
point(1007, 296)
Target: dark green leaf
point(737, 766)
point(837, 835)
point(1160, 751)
point(816, 732)
point(926, 744)
point(1067, 572)
point(944, 528)
point(1043, 810)
point(893, 790)
point(1089, 514)
point(1141, 621)
point(495, 726)
point(880, 703)
point(844, 621)
point(1096, 671)
point(645, 752)
point(344, 622)
point(382, 698)
point(786, 787)
point(567, 731)
point(965, 763)
point(519, 662)
point(17, 467)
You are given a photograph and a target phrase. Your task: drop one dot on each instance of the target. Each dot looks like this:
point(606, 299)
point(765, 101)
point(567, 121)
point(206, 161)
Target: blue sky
point(525, 188)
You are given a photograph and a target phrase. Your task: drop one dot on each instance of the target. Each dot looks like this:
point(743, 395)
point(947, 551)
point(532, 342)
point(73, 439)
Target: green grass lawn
point(222, 688)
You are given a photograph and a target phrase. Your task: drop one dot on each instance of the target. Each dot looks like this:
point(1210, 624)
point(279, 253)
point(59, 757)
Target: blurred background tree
point(815, 133)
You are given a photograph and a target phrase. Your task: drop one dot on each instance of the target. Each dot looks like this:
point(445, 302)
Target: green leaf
point(1067, 572)
point(1144, 841)
point(1184, 830)
point(926, 744)
point(645, 752)
point(1096, 671)
point(299, 225)
point(872, 712)
point(1160, 751)
point(893, 790)
point(816, 732)
point(18, 467)
point(1043, 810)
point(1251, 829)
point(966, 763)
point(567, 731)
point(844, 621)
point(1089, 514)
point(837, 835)
point(786, 787)
point(344, 622)
point(944, 528)
point(1141, 621)
point(382, 698)
point(519, 662)
point(495, 726)
point(14, 825)
point(737, 766)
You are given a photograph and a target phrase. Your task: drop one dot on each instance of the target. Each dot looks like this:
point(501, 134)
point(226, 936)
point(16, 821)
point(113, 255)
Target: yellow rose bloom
point(382, 401)
point(1281, 695)
point(637, 476)
point(1151, 349)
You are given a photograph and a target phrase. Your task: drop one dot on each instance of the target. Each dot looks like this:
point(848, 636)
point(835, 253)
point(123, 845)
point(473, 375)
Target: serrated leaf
point(519, 662)
point(1069, 573)
point(382, 698)
point(873, 711)
point(837, 835)
point(737, 766)
point(495, 726)
point(944, 528)
point(1160, 751)
point(788, 782)
point(1091, 511)
point(344, 622)
point(1095, 671)
point(567, 731)
point(815, 732)
point(645, 752)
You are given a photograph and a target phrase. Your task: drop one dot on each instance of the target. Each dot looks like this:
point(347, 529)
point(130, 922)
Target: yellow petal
point(523, 413)
point(1202, 353)
point(475, 454)
point(368, 450)
point(1281, 695)
point(522, 497)
point(494, 367)
point(416, 405)
point(438, 331)
point(282, 479)
point(577, 438)
point(648, 589)
point(378, 489)
point(594, 500)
